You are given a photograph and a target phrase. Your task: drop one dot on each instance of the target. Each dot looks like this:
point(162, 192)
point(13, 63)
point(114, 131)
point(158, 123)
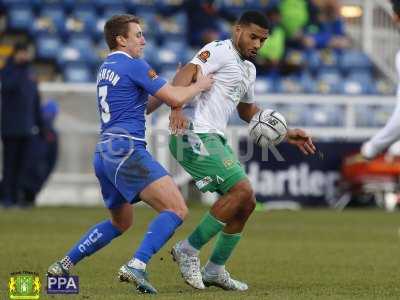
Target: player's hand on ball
point(177, 121)
point(302, 140)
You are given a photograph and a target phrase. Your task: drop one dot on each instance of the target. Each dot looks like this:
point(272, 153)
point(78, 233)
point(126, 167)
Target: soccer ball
point(267, 127)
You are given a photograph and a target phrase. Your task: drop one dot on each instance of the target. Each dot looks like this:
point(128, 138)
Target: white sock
point(137, 264)
point(66, 263)
point(187, 248)
point(212, 268)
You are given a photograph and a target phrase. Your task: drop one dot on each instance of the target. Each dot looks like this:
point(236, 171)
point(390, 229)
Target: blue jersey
point(123, 86)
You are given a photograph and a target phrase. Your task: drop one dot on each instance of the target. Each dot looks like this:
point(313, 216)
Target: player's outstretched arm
point(247, 110)
point(176, 96)
point(301, 140)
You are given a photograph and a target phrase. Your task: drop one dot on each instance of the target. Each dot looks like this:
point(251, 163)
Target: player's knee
point(181, 211)
point(244, 192)
point(122, 225)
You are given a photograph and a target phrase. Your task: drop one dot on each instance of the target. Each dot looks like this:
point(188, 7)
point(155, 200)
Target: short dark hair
point(396, 7)
point(118, 25)
point(254, 17)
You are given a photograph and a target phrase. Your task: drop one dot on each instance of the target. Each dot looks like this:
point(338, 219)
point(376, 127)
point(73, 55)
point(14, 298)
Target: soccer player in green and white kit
point(204, 153)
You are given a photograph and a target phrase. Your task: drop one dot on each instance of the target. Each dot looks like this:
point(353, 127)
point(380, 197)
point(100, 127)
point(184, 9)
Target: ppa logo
point(62, 285)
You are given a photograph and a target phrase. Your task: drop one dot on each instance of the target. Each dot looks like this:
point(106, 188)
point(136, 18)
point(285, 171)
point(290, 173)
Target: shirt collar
point(119, 52)
point(236, 51)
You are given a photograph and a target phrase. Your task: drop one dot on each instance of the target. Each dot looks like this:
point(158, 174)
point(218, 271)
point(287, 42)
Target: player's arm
point(153, 104)
point(247, 110)
point(184, 77)
point(176, 96)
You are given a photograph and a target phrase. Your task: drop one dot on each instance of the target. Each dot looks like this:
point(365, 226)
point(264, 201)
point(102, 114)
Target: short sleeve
point(211, 57)
point(249, 95)
point(144, 76)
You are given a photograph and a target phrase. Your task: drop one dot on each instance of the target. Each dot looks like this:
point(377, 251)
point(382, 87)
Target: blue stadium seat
point(384, 87)
point(20, 18)
point(354, 59)
point(168, 4)
point(264, 85)
point(85, 46)
point(173, 27)
point(234, 7)
point(381, 114)
point(8, 4)
point(329, 59)
point(329, 81)
point(106, 4)
point(68, 55)
point(167, 58)
point(293, 113)
point(357, 86)
point(53, 19)
point(77, 73)
point(87, 16)
point(372, 115)
point(292, 85)
point(325, 115)
point(48, 47)
point(134, 5)
point(110, 11)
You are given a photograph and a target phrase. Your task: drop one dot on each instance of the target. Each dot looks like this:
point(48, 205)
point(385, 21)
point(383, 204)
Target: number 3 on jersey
point(105, 108)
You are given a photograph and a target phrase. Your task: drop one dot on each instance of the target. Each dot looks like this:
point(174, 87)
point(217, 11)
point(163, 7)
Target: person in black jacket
point(43, 155)
point(20, 120)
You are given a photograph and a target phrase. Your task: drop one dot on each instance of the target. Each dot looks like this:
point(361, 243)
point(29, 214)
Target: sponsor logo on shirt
point(203, 182)
point(203, 56)
point(152, 74)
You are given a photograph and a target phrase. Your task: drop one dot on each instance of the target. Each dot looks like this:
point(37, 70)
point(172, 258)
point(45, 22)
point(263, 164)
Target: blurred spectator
point(204, 21)
point(20, 120)
point(295, 15)
point(271, 53)
point(327, 29)
point(43, 155)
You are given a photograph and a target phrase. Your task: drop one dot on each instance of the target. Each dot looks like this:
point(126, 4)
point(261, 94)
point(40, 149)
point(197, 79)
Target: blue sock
point(96, 238)
point(158, 233)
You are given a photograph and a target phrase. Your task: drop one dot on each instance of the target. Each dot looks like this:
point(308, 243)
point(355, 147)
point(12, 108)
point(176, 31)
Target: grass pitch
point(311, 254)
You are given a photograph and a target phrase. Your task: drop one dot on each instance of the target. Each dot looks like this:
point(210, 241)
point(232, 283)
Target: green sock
point(224, 247)
point(205, 231)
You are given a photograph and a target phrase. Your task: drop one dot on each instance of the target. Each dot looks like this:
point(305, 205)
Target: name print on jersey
point(109, 75)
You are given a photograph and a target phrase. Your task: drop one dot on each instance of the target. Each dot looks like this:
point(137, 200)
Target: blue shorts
point(124, 168)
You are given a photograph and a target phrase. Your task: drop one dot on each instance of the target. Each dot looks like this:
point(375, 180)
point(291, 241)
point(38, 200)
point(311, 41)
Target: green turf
point(311, 254)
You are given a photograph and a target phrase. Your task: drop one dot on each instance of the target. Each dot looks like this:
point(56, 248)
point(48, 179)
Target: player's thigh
point(209, 160)
point(163, 194)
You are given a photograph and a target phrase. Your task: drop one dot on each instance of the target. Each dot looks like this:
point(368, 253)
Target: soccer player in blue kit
point(127, 173)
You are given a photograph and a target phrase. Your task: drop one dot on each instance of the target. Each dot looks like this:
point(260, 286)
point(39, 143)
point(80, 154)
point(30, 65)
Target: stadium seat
point(48, 47)
point(264, 85)
point(20, 18)
point(134, 5)
point(372, 115)
point(384, 87)
point(292, 85)
point(325, 115)
point(51, 20)
point(8, 4)
point(354, 59)
point(328, 81)
point(106, 4)
point(293, 113)
point(356, 86)
point(87, 17)
point(77, 73)
point(382, 114)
